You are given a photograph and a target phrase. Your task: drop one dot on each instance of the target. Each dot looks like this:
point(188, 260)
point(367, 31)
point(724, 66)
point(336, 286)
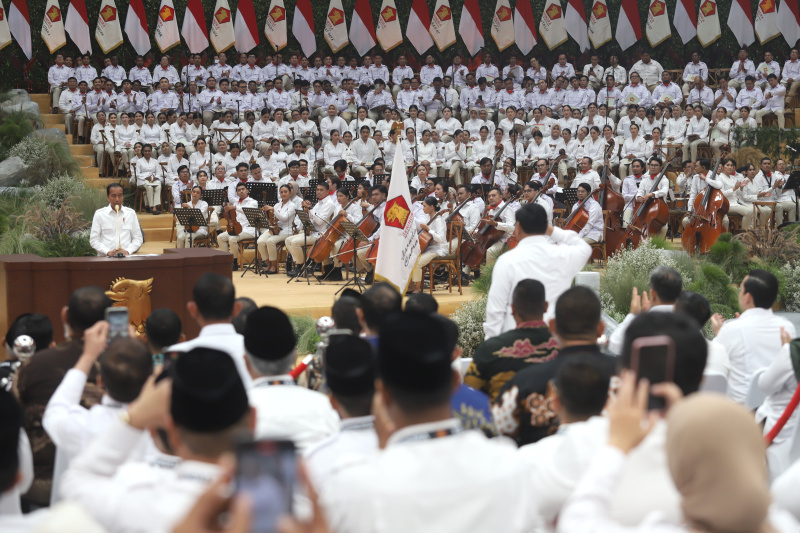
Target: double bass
point(610, 200)
point(549, 182)
point(485, 235)
point(705, 224)
point(324, 245)
point(650, 215)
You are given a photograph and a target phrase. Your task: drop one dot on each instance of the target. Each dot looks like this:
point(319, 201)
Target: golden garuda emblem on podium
point(135, 295)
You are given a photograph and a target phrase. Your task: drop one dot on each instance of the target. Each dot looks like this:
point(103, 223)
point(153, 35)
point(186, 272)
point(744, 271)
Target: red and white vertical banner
point(442, 28)
point(399, 245)
point(167, 34)
point(685, 20)
point(20, 22)
point(303, 27)
point(524, 26)
point(419, 21)
point(245, 28)
point(766, 23)
point(136, 27)
point(788, 21)
point(470, 27)
point(362, 28)
point(551, 26)
point(740, 21)
point(389, 34)
point(600, 24)
point(76, 25)
point(502, 25)
point(108, 31)
point(275, 25)
point(708, 28)
point(336, 26)
point(52, 26)
point(629, 27)
point(658, 29)
point(5, 32)
point(222, 34)
point(576, 24)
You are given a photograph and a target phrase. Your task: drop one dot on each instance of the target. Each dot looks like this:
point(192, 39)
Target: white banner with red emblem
point(599, 24)
point(388, 32)
point(398, 249)
point(658, 29)
point(222, 33)
point(502, 25)
point(551, 27)
point(708, 28)
point(275, 26)
point(336, 26)
point(108, 31)
point(52, 27)
point(442, 28)
point(167, 34)
point(767, 21)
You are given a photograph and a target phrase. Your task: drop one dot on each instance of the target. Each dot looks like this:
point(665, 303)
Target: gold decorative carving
point(135, 295)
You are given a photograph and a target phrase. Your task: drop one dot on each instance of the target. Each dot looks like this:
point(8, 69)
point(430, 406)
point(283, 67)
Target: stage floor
point(299, 298)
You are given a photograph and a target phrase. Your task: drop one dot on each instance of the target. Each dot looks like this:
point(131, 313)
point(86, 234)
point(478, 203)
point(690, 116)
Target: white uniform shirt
point(563, 248)
point(594, 227)
point(413, 485)
point(753, 341)
point(104, 230)
point(285, 411)
point(221, 337)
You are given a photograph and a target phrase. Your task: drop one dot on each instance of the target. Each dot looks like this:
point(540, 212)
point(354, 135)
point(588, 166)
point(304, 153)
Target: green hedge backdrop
point(672, 53)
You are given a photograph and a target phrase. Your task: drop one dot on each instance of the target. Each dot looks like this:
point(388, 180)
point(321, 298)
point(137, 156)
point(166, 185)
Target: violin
point(234, 228)
point(651, 214)
point(324, 245)
point(485, 235)
point(610, 200)
point(368, 224)
point(705, 224)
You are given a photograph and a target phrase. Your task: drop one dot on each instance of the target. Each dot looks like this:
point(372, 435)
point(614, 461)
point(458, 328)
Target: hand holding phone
point(266, 471)
point(653, 358)
point(118, 320)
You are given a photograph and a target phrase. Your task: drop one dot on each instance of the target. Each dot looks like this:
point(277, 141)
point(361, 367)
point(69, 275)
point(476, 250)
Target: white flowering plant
point(470, 317)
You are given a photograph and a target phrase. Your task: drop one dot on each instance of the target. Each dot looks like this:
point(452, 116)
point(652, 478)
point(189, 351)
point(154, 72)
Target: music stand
point(377, 179)
point(310, 194)
point(355, 235)
point(793, 182)
point(308, 227)
point(571, 196)
point(215, 197)
point(262, 192)
point(258, 220)
point(189, 217)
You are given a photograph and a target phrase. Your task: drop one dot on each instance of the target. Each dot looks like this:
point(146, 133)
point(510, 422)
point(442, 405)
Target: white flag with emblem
point(551, 27)
point(658, 29)
point(767, 20)
point(502, 25)
point(222, 33)
point(53, 26)
point(336, 26)
point(708, 28)
point(442, 28)
point(275, 26)
point(399, 241)
point(108, 31)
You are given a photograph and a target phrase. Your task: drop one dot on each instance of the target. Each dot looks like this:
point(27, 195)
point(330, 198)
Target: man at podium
point(115, 228)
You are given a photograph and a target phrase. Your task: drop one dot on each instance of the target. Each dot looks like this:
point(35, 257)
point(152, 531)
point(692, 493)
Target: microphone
point(790, 148)
point(119, 235)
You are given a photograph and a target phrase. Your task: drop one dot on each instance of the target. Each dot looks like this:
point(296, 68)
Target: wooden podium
point(29, 283)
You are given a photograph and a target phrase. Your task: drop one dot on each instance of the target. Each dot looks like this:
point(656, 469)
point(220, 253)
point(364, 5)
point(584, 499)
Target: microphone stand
point(119, 254)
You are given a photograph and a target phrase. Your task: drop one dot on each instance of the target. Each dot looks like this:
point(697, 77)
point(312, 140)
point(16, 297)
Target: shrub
point(46, 222)
point(44, 159)
point(470, 317)
point(771, 245)
point(731, 255)
point(14, 127)
point(791, 285)
point(30, 149)
point(305, 328)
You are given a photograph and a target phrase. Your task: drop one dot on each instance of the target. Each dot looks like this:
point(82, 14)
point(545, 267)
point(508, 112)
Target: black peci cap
point(269, 334)
point(350, 366)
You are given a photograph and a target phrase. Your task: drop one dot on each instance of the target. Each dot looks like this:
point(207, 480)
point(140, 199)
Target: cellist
point(320, 216)
point(505, 224)
point(646, 184)
point(377, 195)
point(352, 213)
point(592, 232)
point(630, 188)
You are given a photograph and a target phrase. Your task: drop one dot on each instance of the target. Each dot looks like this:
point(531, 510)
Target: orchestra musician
point(438, 247)
point(284, 213)
point(377, 197)
point(320, 216)
point(228, 239)
point(504, 224)
point(182, 238)
point(592, 232)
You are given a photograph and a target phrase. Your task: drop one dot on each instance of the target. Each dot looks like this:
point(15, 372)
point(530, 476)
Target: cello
point(651, 215)
point(324, 246)
point(425, 238)
point(367, 225)
point(549, 181)
point(234, 228)
point(485, 235)
point(610, 200)
point(705, 225)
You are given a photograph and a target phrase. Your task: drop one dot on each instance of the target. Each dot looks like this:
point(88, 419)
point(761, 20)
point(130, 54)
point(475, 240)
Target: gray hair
point(272, 368)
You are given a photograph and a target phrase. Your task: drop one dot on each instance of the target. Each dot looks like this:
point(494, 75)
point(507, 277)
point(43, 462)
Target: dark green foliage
point(730, 255)
point(770, 140)
point(14, 127)
point(671, 54)
point(713, 283)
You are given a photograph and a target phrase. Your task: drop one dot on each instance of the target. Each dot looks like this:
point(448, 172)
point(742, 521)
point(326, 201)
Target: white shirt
point(776, 98)
point(115, 493)
point(460, 482)
point(221, 337)
point(566, 250)
point(753, 341)
point(778, 383)
point(617, 338)
point(104, 237)
point(650, 73)
point(289, 412)
point(594, 227)
point(357, 439)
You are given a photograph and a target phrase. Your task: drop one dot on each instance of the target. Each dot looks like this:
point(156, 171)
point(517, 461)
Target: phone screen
point(267, 472)
point(653, 358)
point(118, 320)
